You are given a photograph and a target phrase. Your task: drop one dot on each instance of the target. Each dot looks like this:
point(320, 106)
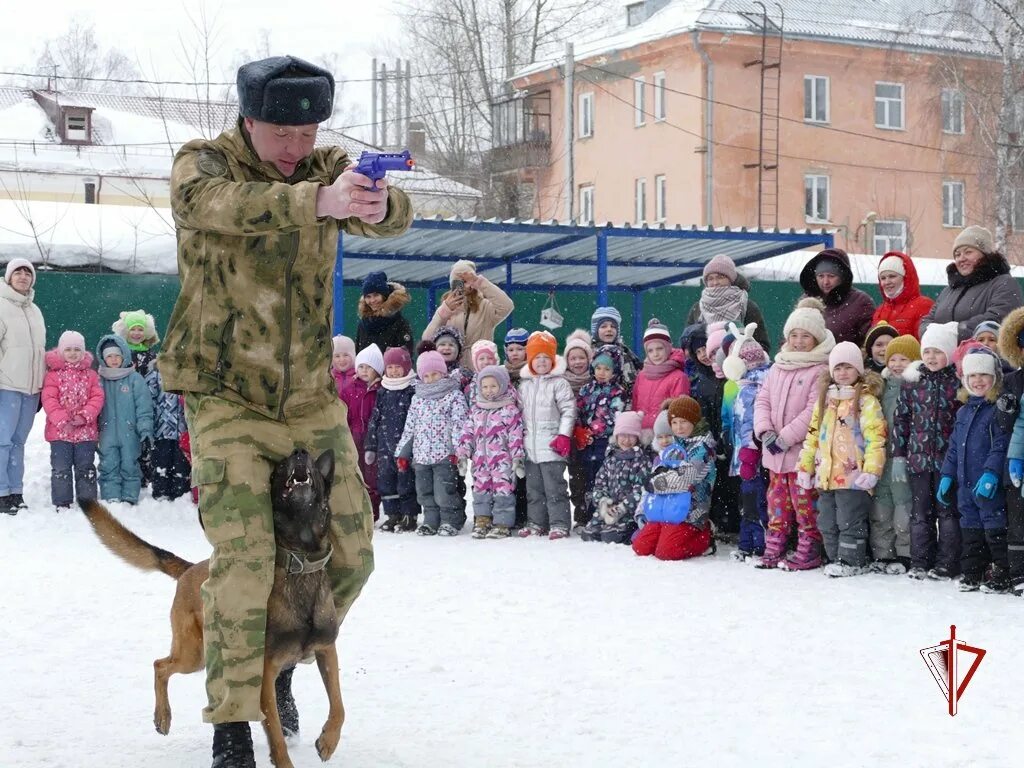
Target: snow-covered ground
point(514, 653)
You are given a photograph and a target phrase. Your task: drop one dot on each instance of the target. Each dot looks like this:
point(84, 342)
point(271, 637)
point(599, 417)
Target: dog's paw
point(162, 721)
point(327, 743)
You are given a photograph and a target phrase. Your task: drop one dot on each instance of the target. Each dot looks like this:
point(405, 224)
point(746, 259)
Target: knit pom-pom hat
point(808, 316)
point(398, 356)
point(431, 362)
point(628, 423)
point(657, 331)
point(479, 346)
point(905, 345)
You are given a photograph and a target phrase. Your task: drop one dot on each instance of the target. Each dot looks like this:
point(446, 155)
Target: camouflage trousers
point(234, 450)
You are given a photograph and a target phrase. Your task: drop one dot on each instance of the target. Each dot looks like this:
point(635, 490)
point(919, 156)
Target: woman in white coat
point(22, 350)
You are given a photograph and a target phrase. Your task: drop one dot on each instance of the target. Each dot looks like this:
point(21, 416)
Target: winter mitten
point(370, 457)
point(749, 459)
point(453, 459)
point(463, 466)
point(986, 486)
point(865, 481)
point(767, 438)
point(402, 463)
point(781, 446)
point(805, 480)
point(899, 470)
point(582, 437)
point(945, 485)
point(519, 467)
point(1016, 472)
point(561, 445)
point(78, 420)
point(606, 509)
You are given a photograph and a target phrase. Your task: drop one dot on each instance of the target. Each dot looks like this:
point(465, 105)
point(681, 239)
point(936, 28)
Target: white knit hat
point(343, 345)
point(809, 316)
point(373, 357)
point(462, 265)
point(980, 361)
point(892, 264)
point(941, 336)
point(16, 263)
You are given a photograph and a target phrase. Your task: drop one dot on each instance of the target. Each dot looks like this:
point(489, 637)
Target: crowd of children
point(893, 458)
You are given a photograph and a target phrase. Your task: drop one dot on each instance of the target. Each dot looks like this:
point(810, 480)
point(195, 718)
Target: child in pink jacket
point(72, 398)
point(782, 415)
point(343, 364)
point(661, 378)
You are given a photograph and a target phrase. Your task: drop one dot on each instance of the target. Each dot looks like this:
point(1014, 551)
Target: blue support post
point(431, 302)
point(638, 330)
point(602, 269)
point(339, 286)
point(508, 290)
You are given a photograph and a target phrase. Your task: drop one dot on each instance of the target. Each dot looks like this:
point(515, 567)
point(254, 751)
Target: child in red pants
point(677, 499)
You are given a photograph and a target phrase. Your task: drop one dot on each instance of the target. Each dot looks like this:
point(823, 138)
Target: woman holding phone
point(474, 305)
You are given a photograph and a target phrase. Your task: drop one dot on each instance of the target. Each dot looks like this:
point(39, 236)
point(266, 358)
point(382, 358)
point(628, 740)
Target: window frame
point(639, 102)
point(586, 193)
point(949, 97)
point(809, 215)
point(890, 246)
point(658, 81)
point(888, 100)
point(585, 122)
point(640, 200)
point(812, 80)
point(949, 203)
point(660, 203)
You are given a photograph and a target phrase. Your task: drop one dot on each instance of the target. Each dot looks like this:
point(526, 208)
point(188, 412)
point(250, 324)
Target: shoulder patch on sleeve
point(1007, 402)
point(212, 163)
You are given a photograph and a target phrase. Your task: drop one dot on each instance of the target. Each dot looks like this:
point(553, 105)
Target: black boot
point(18, 501)
point(286, 708)
point(998, 577)
point(8, 505)
point(232, 746)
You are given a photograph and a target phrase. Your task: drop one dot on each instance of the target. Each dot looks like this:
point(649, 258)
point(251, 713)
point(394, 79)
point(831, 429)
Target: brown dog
point(301, 618)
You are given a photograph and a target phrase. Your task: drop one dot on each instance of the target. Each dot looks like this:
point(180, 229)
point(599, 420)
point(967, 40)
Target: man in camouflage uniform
point(258, 211)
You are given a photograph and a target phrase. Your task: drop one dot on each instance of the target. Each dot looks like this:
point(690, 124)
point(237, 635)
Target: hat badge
point(304, 103)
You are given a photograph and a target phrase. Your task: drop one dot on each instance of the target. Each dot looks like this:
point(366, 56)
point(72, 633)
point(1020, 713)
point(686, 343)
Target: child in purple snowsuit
point(492, 439)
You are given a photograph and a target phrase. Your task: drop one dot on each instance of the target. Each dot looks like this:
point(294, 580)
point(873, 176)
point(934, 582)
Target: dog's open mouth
point(300, 476)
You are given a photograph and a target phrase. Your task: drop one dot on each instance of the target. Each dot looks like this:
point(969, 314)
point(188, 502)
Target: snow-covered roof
point(138, 136)
point(921, 24)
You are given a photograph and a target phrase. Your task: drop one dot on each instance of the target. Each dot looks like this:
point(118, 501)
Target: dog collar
point(298, 562)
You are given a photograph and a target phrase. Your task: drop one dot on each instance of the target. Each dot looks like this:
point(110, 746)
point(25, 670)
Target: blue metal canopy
point(531, 255)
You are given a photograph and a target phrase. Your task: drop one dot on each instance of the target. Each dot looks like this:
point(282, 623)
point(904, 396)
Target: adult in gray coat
point(980, 286)
point(725, 299)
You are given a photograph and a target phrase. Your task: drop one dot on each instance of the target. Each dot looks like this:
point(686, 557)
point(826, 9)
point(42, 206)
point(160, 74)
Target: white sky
point(148, 32)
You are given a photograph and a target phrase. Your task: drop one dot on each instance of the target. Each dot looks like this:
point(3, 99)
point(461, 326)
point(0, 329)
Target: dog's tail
point(129, 547)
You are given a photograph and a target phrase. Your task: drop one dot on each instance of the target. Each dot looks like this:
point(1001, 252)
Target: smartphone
point(459, 287)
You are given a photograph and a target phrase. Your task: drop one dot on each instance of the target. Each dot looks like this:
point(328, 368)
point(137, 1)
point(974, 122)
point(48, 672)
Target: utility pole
point(373, 103)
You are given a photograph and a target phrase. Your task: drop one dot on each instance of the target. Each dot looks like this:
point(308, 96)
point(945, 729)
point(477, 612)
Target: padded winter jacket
point(784, 406)
point(848, 310)
point(168, 410)
point(360, 399)
point(432, 428)
point(904, 312)
point(838, 447)
point(70, 389)
point(742, 435)
point(495, 306)
point(753, 315)
point(127, 414)
point(649, 393)
point(621, 478)
point(924, 417)
point(22, 342)
point(988, 293)
point(549, 410)
point(252, 322)
point(596, 406)
point(492, 438)
point(387, 421)
point(387, 327)
point(978, 445)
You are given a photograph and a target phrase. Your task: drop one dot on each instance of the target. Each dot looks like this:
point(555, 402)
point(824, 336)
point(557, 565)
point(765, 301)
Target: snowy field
point(488, 654)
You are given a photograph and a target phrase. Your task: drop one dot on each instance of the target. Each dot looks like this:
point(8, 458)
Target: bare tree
point(81, 64)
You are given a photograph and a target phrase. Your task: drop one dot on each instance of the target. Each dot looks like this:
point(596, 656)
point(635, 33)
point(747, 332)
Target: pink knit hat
point(628, 423)
point(344, 344)
point(431, 362)
point(846, 352)
point(721, 265)
point(70, 340)
point(716, 333)
point(481, 346)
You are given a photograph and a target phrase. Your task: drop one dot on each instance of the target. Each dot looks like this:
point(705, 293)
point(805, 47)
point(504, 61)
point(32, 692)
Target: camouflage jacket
point(252, 323)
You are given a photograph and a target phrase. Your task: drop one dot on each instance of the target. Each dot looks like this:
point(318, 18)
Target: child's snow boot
point(807, 556)
point(391, 524)
point(481, 525)
point(774, 549)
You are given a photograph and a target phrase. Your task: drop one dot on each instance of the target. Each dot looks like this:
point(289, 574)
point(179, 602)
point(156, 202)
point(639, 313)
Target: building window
point(890, 236)
point(75, 128)
point(587, 204)
point(586, 115)
point(659, 198)
point(640, 201)
point(90, 192)
point(815, 99)
point(952, 203)
point(635, 14)
point(889, 106)
point(639, 102)
point(659, 96)
point(952, 111)
point(816, 194)
point(1017, 209)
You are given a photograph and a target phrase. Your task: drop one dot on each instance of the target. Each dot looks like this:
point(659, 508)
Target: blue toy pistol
point(375, 164)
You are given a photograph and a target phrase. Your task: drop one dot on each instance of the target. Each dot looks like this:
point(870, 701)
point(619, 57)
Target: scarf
point(835, 392)
point(727, 303)
point(894, 294)
point(140, 347)
point(399, 383)
point(375, 324)
point(577, 380)
point(437, 390)
point(113, 374)
point(655, 371)
point(499, 402)
point(993, 266)
point(790, 360)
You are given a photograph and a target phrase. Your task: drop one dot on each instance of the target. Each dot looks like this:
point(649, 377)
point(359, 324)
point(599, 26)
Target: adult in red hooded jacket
point(903, 306)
